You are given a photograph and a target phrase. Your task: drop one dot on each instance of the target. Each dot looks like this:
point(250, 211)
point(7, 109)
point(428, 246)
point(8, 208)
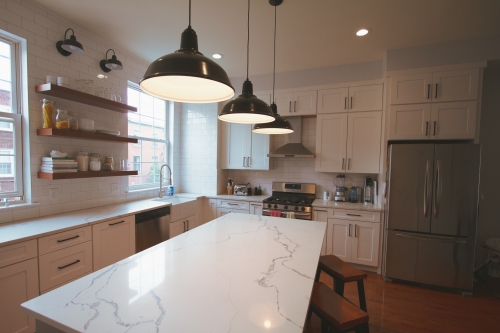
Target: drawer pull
point(67, 239)
point(63, 267)
point(319, 210)
point(116, 223)
point(353, 215)
point(259, 205)
point(233, 204)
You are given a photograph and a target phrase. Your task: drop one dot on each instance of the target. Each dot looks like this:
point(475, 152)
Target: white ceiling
point(311, 34)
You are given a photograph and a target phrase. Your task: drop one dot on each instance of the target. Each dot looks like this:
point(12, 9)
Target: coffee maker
point(340, 188)
point(369, 189)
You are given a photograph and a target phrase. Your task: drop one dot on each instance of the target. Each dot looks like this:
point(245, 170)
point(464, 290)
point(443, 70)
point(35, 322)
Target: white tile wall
point(42, 29)
point(293, 169)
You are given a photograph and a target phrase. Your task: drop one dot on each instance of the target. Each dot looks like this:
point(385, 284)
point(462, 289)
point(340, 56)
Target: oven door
point(298, 215)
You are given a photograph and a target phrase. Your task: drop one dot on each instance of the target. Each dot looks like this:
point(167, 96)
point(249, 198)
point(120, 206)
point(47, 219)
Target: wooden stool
point(336, 312)
point(342, 272)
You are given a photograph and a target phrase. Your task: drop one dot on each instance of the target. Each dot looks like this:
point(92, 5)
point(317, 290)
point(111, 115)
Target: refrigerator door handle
point(432, 239)
point(438, 190)
point(426, 180)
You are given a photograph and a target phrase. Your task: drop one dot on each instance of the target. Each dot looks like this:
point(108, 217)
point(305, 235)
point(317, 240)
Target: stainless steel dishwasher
point(151, 228)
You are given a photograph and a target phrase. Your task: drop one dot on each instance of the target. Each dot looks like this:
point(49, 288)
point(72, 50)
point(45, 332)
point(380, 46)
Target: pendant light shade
point(247, 108)
point(187, 75)
point(280, 125)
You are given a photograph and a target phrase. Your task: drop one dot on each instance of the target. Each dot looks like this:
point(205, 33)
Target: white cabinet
point(113, 241)
point(18, 284)
point(221, 211)
point(348, 142)
point(453, 120)
point(338, 239)
point(209, 210)
point(299, 103)
point(321, 214)
point(183, 225)
point(442, 86)
point(243, 149)
point(358, 98)
point(256, 208)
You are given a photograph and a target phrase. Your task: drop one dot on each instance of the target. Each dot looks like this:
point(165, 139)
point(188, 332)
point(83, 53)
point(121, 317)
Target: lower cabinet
point(113, 241)
point(322, 216)
point(256, 208)
point(223, 211)
point(181, 226)
point(18, 284)
point(209, 210)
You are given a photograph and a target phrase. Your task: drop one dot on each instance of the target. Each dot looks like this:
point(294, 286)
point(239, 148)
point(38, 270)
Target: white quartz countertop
point(346, 205)
point(238, 273)
point(253, 198)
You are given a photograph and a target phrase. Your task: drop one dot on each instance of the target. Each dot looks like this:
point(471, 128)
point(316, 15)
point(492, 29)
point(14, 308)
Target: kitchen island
point(237, 273)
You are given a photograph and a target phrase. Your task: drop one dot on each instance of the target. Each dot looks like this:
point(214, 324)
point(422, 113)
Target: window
point(11, 145)
point(149, 125)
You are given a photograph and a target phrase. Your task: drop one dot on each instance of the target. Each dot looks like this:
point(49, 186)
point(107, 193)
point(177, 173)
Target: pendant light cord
point(190, 13)
point(274, 57)
point(248, 36)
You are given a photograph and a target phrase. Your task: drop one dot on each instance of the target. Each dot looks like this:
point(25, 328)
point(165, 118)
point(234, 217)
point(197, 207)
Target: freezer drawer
point(429, 259)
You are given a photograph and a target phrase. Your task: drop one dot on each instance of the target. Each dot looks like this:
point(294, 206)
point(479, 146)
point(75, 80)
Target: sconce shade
point(70, 45)
point(110, 64)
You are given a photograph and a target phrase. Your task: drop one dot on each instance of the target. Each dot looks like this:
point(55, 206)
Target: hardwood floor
point(401, 308)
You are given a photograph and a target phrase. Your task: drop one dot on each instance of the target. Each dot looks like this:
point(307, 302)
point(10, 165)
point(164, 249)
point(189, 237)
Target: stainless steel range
point(291, 197)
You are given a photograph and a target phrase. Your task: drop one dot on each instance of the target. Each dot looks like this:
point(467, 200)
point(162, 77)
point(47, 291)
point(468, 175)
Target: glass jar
point(62, 121)
point(108, 164)
point(73, 121)
point(95, 162)
point(353, 194)
point(47, 113)
point(82, 158)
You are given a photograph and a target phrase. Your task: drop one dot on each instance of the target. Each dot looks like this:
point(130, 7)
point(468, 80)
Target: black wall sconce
point(108, 64)
point(70, 45)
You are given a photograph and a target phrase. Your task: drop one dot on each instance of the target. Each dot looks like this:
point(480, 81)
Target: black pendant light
point(247, 108)
point(280, 125)
point(110, 64)
point(69, 45)
point(187, 75)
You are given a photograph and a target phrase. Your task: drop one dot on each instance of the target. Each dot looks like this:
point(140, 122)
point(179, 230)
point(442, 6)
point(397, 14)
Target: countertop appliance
point(151, 228)
point(291, 197)
point(240, 189)
point(340, 188)
point(432, 209)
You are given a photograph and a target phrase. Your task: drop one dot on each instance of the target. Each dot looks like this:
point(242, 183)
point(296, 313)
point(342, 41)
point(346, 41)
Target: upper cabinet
point(444, 86)
point(299, 103)
point(358, 98)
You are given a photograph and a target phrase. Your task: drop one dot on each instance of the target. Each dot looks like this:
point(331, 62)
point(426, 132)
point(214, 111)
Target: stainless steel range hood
point(294, 147)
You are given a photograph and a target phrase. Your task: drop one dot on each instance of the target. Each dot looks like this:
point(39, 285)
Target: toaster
point(240, 190)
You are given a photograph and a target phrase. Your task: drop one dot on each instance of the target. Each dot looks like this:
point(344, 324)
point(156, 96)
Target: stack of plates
point(86, 125)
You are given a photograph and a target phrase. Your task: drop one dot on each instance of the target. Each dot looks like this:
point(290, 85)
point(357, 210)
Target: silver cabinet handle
point(349, 163)
point(248, 161)
point(431, 239)
point(436, 96)
point(116, 223)
point(438, 190)
point(353, 214)
point(67, 239)
point(290, 107)
point(243, 162)
point(319, 210)
point(349, 230)
point(428, 91)
point(435, 123)
point(345, 103)
point(351, 103)
point(232, 204)
point(343, 163)
point(426, 180)
point(294, 106)
point(355, 230)
point(258, 205)
point(73, 263)
point(426, 128)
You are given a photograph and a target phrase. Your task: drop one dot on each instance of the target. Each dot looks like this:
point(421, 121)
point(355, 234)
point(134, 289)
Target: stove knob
point(303, 209)
point(296, 208)
point(269, 205)
point(275, 206)
point(286, 207)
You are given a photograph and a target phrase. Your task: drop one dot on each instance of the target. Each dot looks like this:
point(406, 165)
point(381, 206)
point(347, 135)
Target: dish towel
point(275, 213)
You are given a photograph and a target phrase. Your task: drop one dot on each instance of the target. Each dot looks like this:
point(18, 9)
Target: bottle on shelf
point(48, 112)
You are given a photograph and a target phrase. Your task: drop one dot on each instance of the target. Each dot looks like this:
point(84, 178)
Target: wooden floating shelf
point(83, 135)
point(81, 97)
point(85, 174)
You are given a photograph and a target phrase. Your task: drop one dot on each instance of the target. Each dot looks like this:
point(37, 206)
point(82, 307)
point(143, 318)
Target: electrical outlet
point(53, 194)
point(114, 188)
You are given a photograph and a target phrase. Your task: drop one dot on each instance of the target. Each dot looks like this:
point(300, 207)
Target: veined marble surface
point(238, 273)
point(346, 205)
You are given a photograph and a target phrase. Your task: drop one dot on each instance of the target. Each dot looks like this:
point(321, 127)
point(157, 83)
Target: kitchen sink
point(174, 200)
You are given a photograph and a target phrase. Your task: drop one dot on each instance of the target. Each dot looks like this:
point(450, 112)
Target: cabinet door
point(209, 210)
point(456, 120)
point(332, 100)
point(410, 122)
point(236, 145)
point(460, 85)
point(284, 103)
point(322, 216)
point(177, 227)
point(304, 103)
point(366, 98)
point(223, 211)
point(113, 241)
point(411, 88)
point(191, 222)
point(256, 208)
point(363, 142)
point(365, 243)
point(18, 284)
point(339, 238)
point(258, 160)
point(331, 145)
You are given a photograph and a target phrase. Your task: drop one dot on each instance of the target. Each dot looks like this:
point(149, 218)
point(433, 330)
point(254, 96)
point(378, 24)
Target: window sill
point(17, 206)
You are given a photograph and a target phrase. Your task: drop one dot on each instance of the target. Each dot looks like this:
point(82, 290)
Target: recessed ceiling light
point(217, 55)
point(102, 76)
point(363, 32)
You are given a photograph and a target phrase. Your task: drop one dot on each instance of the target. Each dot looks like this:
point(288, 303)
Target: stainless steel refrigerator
point(432, 209)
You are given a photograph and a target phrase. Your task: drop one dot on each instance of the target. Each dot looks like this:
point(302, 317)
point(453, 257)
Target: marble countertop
point(346, 205)
point(253, 198)
point(237, 273)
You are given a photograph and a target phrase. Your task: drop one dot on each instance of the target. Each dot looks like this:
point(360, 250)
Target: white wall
point(42, 29)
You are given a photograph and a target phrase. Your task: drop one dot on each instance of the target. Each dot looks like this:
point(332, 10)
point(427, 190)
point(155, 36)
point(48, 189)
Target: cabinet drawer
point(18, 252)
point(60, 267)
point(234, 204)
point(63, 240)
point(354, 215)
